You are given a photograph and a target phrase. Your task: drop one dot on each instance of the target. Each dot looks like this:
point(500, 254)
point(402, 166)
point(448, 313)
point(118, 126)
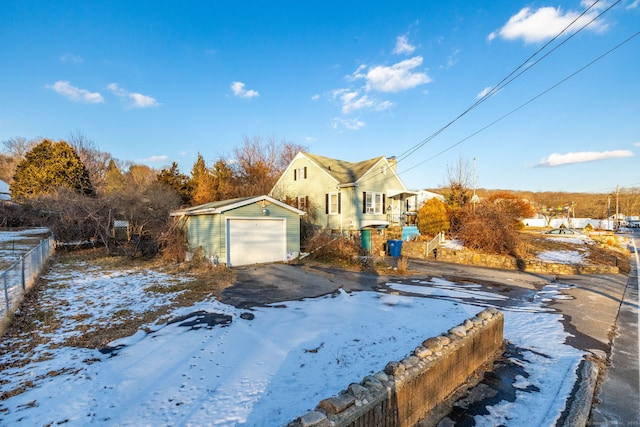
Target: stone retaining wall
point(417, 250)
point(409, 391)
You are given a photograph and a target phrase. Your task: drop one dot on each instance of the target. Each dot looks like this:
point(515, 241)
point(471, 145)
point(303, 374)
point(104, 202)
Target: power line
point(628, 39)
point(507, 80)
point(503, 83)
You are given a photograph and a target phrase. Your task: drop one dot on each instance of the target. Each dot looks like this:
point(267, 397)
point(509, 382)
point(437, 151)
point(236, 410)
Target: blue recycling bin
point(394, 247)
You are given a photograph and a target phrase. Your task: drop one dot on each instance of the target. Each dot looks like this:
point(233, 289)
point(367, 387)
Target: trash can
point(365, 239)
point(394, 247)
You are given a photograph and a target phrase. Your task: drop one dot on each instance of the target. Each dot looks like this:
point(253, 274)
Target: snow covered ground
point(258, 367)
point(13, 244)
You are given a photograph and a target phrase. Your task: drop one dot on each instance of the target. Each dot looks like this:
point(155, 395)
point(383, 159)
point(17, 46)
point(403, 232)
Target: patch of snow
point(561, 257)
point(264, 371)
point(453, 244)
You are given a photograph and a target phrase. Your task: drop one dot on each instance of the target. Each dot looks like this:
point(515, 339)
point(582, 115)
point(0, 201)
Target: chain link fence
point(18, 278)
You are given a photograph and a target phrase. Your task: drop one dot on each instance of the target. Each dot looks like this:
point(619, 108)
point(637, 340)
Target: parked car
point(566, 232)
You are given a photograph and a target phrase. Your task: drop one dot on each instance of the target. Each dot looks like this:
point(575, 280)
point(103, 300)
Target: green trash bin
point(365, 240)
point(394, 247)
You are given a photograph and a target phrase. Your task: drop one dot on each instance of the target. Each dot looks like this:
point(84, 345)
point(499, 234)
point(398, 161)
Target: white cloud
point(142, 101)
point(69, 57)
point(452, 59)
point(403, 47)
point(137, 100)
point(315, 97)
point(76, 94)
point(541, 24)
point(484, 92)
point(557, 159)
point(637, 144)
point(634, 4)
point(353, 101)
point(394, 78)
point(349, 124)
point(156, 159)
point(239, 90)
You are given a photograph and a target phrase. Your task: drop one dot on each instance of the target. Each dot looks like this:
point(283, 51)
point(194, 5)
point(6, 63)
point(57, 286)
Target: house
point(5, 194)
point(340, 196)
point(243, 231)
point(421, 198)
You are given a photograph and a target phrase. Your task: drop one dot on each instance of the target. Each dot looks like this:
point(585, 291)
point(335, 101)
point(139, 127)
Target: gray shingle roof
point(344, 172)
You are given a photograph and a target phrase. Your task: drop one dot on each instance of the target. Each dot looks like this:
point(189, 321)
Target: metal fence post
point(6, 293)
point(24, 287)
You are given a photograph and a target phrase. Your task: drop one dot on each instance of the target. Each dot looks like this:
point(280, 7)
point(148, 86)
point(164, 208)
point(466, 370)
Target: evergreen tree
point(47, 167)
point(113, 178)
point(224, 180)
point(172, 178)
point(202, 183)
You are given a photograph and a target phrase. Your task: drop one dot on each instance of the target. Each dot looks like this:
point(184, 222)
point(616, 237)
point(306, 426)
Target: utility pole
point(608, 212)
point(617, 210)
point(474, 199)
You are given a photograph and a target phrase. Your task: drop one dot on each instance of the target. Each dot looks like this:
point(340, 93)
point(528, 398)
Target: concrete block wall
point(410, 391)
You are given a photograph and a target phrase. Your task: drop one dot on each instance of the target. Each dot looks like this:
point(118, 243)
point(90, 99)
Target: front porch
point(398, 211)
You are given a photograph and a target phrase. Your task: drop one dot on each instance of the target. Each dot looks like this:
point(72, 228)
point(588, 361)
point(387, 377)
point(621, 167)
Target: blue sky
point(161, 81)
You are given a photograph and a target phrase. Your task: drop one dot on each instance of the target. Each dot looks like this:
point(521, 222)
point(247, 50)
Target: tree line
point(78, 191)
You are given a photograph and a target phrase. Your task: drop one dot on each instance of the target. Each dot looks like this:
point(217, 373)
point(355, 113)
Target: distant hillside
point(586, 205)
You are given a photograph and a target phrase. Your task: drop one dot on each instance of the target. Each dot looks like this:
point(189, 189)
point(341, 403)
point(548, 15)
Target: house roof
point(342, 171)
point(222, 206)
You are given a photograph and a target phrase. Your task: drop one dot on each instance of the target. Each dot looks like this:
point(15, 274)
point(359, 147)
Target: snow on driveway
point(264, 368)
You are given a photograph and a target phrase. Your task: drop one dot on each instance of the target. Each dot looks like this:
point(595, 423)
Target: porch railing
point(401, 219)
point(435, 242)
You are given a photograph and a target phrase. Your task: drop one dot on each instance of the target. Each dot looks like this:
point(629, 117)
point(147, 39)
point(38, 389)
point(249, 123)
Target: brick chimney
point(392, 161)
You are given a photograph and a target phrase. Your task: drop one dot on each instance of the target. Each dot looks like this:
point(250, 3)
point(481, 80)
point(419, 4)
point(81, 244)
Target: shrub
point(334, 248)
point(433, 218)
point(487, 229)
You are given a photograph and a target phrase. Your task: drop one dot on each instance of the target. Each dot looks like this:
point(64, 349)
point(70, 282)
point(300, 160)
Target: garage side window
point(332, 203)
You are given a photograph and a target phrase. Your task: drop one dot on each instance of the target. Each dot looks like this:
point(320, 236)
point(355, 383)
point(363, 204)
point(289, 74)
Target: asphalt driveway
point(590, 307)
point(271, 283)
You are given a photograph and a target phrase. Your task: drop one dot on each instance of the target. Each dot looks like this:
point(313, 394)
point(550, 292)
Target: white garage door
point(254, 241)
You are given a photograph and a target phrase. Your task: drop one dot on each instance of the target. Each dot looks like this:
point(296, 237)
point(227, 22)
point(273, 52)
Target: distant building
point(5, 194)
point(415, 203)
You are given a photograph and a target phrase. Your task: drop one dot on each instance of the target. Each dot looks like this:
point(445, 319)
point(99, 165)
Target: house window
point(373, 203)
point(333, 203)
point(300, 173)
point(302, 203)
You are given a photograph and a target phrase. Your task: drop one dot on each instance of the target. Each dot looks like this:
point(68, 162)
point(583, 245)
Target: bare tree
point(461, 181)
point(259, 164)
point(96, 161)
point(13, 152)
point(140, 176)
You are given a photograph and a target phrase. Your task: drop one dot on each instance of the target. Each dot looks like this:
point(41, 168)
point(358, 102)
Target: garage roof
point(222, 206)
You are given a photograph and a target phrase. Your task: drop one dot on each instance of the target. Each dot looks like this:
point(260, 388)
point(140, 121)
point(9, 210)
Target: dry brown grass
point(32, 319)
point(403, 265)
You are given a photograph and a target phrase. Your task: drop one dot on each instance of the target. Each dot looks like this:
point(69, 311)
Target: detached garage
point(251, 230)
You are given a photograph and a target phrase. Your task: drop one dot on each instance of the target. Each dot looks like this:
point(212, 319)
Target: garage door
point(254, 241)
